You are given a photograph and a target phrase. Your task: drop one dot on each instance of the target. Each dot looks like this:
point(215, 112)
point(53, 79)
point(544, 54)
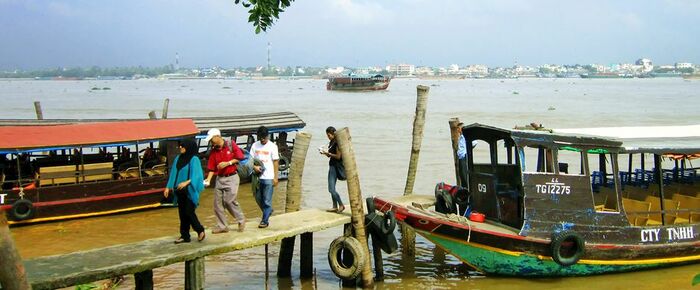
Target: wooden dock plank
point(87, 266)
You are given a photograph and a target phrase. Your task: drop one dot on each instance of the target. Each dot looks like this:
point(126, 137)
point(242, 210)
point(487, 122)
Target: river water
point(380, 125)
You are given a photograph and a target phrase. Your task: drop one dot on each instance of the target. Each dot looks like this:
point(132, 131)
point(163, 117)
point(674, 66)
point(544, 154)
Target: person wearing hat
point(223, 161)
point(462, 157)
point(267, 152)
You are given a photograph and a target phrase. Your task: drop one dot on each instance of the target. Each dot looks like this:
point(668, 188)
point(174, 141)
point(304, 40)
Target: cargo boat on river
point(354, 82)
point(544, 218)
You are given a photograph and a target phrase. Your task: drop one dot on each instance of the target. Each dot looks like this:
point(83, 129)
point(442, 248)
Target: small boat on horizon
point(353, 82)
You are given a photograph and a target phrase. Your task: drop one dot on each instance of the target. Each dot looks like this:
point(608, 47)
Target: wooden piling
point(306, 260)
point(194, 274)
point(144, 280)
point(293, 203)
point(408, 236)
point(378, 261)
point(152, 115)
point(13, 276)
point(39, 113)
point(454, 134)
point(166, 103)
point(355, 194)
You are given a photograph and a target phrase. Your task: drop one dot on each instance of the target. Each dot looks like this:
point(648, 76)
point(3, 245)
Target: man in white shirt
point(267, 152)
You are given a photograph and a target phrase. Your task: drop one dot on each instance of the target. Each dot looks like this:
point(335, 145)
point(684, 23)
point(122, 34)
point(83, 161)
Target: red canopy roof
point(74, 135)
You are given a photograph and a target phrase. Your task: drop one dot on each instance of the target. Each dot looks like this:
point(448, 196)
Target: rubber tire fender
point(389, 222)
point(22, 209)
point(335, 251)
point(283, 163)
point(557, 242)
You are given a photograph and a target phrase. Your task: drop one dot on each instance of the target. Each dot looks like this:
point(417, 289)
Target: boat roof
point(42, 137)
point(538, 136)
point(649, 139)
point(229, 125)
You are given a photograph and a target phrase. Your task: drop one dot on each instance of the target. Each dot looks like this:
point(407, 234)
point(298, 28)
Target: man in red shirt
point(223, 161)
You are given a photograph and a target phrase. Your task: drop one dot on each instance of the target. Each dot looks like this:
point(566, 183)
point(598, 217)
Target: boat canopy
point(28, 138)
point(229, 125)
point(663, 140)
point(537, 137)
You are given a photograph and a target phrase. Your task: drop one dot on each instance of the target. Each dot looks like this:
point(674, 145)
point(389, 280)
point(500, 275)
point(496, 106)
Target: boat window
point(570, 161)
point(482, 153)
point(536, 159)
point(602, 177)
point(505, 155)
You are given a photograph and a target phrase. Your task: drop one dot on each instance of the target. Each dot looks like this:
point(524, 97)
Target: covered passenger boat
point(53, 172)
point(557, 204)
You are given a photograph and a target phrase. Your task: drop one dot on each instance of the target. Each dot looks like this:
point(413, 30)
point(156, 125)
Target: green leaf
point(696, 280)
point(257, 30)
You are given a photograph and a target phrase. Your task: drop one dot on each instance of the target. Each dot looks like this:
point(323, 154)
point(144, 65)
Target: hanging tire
point(22, 209)
point(567, 248)
point(370, 205)
point(389, 222)
point(283, 163)
point(348, 268)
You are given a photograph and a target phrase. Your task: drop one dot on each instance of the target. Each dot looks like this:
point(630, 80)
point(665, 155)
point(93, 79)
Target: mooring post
point(357, 209)
point(194, 274)
point(144, 280)
point(296, 171)
point(13, 276)
point(306, 250)
point(166, 103)
point(454, 133)
point(408, 236)
point(39, 113)
point(152, 115)
point(378, 261)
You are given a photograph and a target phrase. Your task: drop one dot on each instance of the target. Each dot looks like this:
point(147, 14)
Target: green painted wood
point(87, 266)
point(194, 274)
point(493, 262)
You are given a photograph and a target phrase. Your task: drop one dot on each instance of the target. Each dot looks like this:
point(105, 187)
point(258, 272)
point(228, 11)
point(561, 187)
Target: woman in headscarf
point(187, 181)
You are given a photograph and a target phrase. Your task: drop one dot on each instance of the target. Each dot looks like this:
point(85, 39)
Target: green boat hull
point(497, 262)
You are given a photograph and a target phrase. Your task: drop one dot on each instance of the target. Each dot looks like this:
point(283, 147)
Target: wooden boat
point(78, 170)
point(358, 82)
point(549, 212)
point(242, 128)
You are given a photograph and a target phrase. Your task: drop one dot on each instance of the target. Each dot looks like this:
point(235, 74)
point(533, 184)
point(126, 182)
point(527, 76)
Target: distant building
point(646, 64)
point(401, 69)
point(335, 70)
point(680, 65)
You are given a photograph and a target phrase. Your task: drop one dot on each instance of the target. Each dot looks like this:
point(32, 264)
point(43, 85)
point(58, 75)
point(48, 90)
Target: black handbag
point(340, 171)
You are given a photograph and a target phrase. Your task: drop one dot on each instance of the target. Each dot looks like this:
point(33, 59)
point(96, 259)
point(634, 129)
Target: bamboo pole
point(454, 133)
point(166, 103)
point(39, 113)
point(13, 276)
point(408, 236)
point(356, 207)
point(296, 171)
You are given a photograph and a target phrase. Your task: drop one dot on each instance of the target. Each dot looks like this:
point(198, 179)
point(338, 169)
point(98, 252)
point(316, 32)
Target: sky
point(37, 34)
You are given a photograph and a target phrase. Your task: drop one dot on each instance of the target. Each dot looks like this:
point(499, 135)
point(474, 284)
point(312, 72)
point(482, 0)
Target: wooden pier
point(140, 258)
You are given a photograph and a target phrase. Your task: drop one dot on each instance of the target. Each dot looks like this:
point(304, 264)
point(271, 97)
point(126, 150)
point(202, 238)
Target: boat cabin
point(536, 181)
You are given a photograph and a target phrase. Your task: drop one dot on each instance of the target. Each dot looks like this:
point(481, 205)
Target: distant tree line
point(90, 72)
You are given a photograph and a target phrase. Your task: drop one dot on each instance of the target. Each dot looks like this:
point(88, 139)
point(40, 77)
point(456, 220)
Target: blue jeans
point(263, 196)
point(331, 187)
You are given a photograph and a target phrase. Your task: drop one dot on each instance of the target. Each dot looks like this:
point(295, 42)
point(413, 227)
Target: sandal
point(181, 240)
point(332, 210)
point(201, 236)
point(341, 209)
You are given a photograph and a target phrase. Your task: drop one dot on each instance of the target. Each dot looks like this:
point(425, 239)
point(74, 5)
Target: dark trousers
point(185, 208)
point(463, 173)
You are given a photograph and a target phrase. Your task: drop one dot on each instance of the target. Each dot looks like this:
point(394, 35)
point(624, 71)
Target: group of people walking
point(186, 180)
